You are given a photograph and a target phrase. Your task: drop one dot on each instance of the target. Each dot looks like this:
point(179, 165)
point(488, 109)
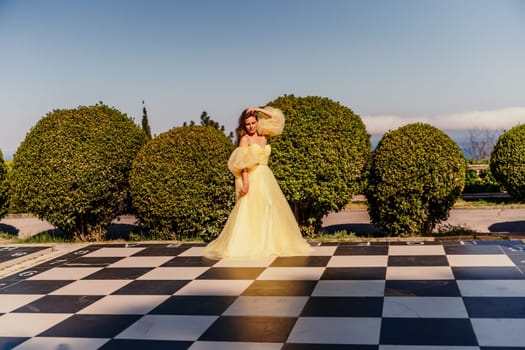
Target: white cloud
point(496, 119)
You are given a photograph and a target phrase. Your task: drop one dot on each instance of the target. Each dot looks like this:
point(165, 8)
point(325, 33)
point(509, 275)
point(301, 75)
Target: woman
point(261, 223)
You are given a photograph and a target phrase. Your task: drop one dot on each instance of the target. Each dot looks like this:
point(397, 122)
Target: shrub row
point(79, 168)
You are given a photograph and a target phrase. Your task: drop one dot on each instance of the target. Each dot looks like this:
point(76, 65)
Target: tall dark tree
point(207, 121)
point(145, 122)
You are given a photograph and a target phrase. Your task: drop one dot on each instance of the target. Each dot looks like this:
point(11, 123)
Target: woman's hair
point(241, 127)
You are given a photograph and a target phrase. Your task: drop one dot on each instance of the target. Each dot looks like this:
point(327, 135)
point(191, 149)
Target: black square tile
point(118, 273)
point(249, 329)
point(427, 331)
point(162, 251)
point(354, 273)
point(417, 260)
point(280, 288)
point(15, 252)
point(35, 287)
point(25, 274)
point(8, 343)
point(151, 287)
point(297, 346)
point(324, 244)
point(11, 280)
point(301, 261)
point(232, 273)
point(194, 305)
point(361, 250)
point(472, 249)
point(422, 288)
point(343, 307)
point(495, 307)
point(66, 304)
point(189, 261)
point(141, 344)
point(93, 261)
point(91, 326)
point(487, 273)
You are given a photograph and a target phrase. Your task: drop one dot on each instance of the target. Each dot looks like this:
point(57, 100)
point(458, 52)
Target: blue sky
point(455, 64)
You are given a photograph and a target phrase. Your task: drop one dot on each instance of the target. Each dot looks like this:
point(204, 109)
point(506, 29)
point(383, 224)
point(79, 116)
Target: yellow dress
point(261, 223)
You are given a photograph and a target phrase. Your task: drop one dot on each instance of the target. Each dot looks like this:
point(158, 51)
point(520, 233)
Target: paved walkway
point(505, 220)
point(483, 220)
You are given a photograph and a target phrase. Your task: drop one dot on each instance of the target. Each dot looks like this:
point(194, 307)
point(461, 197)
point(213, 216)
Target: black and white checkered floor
point(450, 295)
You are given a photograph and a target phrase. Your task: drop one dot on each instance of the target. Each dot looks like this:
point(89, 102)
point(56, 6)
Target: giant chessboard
point(429, 296)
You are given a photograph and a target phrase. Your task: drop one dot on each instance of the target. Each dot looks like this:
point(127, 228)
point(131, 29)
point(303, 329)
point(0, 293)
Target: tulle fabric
point(270, 126)
point(261, 224)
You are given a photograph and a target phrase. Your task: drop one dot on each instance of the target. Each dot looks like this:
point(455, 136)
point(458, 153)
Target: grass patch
point(339, 235)
point(487, 202)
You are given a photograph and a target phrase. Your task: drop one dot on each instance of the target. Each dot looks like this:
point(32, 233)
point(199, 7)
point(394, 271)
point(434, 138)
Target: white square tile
point(499, 332)
point(354, 288)
point(193, 251)
point(174, 273)
point(480, 260)
point(43, 343)
point(279, 306)
point(416, 250)
point(223, 345)
point(430, 307)
point(419, 273)
point(124, 304)
point(492, 288)
point(327, 250)
point(28, 324)
point(261, 262)
point(291, 273)
point(358, 261)
point(168, 327)
point(141, 261)
point(10, 302)
point(91, 287)
point(65, 273)
point(113, 252)
point(336, 330)
point(214, 287)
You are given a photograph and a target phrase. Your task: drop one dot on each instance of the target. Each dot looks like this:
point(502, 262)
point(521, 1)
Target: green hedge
point(72, 168)
point(507, 161)
point(480, 183)
point(180, 183)
point(415, 175)
point(318, 159)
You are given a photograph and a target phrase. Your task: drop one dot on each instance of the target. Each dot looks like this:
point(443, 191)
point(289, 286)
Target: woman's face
point(250, 124)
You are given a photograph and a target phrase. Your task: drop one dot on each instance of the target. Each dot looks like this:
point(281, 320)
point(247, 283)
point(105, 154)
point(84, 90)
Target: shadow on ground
point(508, 226)
point(121, 231)
point(11, 230)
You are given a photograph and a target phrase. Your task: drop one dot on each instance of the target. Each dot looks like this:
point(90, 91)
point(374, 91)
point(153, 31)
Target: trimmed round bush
point(507, 161)
point(73, 166)
point(415, 175)
point(4, 188)
point(180, 183)
point(319, 157)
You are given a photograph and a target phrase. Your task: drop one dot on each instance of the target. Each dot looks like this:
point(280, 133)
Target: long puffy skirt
point(261, 224)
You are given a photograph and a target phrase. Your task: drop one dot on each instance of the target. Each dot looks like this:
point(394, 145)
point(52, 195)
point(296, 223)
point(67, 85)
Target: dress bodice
point(248, 157)
point(262, 154)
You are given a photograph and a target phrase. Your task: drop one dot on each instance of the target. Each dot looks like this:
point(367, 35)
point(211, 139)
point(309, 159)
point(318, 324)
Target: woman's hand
point(244, 190)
